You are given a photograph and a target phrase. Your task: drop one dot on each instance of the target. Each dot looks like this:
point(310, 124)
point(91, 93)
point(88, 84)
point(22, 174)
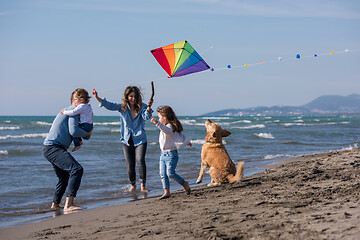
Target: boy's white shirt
point(170, 140)
point(84, 110)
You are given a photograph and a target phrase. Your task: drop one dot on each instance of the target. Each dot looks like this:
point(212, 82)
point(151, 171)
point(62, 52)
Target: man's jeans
point(66, 168)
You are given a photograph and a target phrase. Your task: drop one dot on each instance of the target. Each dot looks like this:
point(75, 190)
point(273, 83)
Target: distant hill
point(328, 104)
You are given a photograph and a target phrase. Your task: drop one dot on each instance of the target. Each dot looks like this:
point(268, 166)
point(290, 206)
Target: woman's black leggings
point(132, 155)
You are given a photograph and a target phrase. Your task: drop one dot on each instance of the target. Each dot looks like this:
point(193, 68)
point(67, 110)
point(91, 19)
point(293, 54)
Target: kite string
point(147, 82)
point(203, 52)
point(286, 59)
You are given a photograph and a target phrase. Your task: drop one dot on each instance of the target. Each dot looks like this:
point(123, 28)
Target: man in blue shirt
point(67, 169)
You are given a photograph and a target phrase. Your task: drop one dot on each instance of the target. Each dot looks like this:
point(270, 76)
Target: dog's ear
point(225, 133)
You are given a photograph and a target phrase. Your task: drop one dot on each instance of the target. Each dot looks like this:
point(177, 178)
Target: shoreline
point(309, 197)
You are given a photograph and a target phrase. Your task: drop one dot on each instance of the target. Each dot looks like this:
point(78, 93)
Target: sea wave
point(312, 124)
point(42, 123)
point(267, 157)
point(242, 121)
point(4, 152)
point(351, 147)
point(296, 143)
point(251, 126)
point(20, 152)
point(202, 141)
point(191, 122)
point(32, 135)
point(216, 118)
point(9, 128)
point(115, 130)
point(107, 123)
point(264, 135)
point(198, 141)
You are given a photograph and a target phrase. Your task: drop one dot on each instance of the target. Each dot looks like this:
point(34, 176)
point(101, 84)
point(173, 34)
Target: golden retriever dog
point(215, 157)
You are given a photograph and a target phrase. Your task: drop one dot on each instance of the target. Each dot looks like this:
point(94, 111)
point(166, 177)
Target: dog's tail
point(239, 173)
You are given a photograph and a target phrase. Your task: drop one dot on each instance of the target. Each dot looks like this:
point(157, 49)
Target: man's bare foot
point(166, 195)
point(187, 187)
point(55, 206)
point(133, 187)
point(76, 148)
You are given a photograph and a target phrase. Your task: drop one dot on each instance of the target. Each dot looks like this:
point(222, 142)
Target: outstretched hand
point(154, 120)
point(95, 93)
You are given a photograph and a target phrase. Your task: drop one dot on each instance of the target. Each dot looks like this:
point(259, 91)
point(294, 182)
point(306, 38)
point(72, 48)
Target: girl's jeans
point(167, 165)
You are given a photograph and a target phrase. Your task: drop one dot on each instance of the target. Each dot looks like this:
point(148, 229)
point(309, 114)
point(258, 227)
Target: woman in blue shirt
point(133, 113)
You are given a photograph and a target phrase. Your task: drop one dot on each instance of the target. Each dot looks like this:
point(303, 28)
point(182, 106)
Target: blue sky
point(49, 48)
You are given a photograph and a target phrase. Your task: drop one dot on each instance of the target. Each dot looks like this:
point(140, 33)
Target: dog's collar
point(210, 142)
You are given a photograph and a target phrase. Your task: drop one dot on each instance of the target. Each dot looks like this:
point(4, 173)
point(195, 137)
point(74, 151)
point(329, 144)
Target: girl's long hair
point(171, 117)
point(138, 98)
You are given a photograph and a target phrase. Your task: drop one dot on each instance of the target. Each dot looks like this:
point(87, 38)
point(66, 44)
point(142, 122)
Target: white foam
point(9, 128)
point(251, 126)
point(202, 141)
point(276, 156)
point(43, 123)
point(107, 123)
point(115, 130)
point(242, 121)
point(198, 141)
point(4, 152)
point(292, 124)
point(351, 147)
point(189, 122)
point(32, 135)
point(312, 124)
point(264, 135)
point(216, 118)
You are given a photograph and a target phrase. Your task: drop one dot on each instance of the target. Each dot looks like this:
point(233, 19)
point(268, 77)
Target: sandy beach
point(309, 197)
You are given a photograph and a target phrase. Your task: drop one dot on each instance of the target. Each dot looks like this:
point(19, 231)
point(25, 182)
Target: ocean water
point(27, 178)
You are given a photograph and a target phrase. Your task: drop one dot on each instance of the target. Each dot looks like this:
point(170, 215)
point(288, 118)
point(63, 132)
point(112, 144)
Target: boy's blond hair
point(82, 94)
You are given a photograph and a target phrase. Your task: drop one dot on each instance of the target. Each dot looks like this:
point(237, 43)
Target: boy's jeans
point(167, 165)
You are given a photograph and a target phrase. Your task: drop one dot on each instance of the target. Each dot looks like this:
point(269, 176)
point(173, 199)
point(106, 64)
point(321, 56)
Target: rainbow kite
point(179, 59)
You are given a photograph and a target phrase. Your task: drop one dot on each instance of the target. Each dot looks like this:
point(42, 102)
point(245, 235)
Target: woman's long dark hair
point(171, 117)
point(138, 98)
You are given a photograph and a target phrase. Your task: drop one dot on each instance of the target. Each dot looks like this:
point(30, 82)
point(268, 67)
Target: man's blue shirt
point(62, 128)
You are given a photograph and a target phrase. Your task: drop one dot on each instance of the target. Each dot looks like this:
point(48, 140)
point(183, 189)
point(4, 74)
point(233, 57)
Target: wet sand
point(310, 197)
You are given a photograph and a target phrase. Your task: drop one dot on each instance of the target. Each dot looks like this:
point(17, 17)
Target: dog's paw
point(198, 181)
